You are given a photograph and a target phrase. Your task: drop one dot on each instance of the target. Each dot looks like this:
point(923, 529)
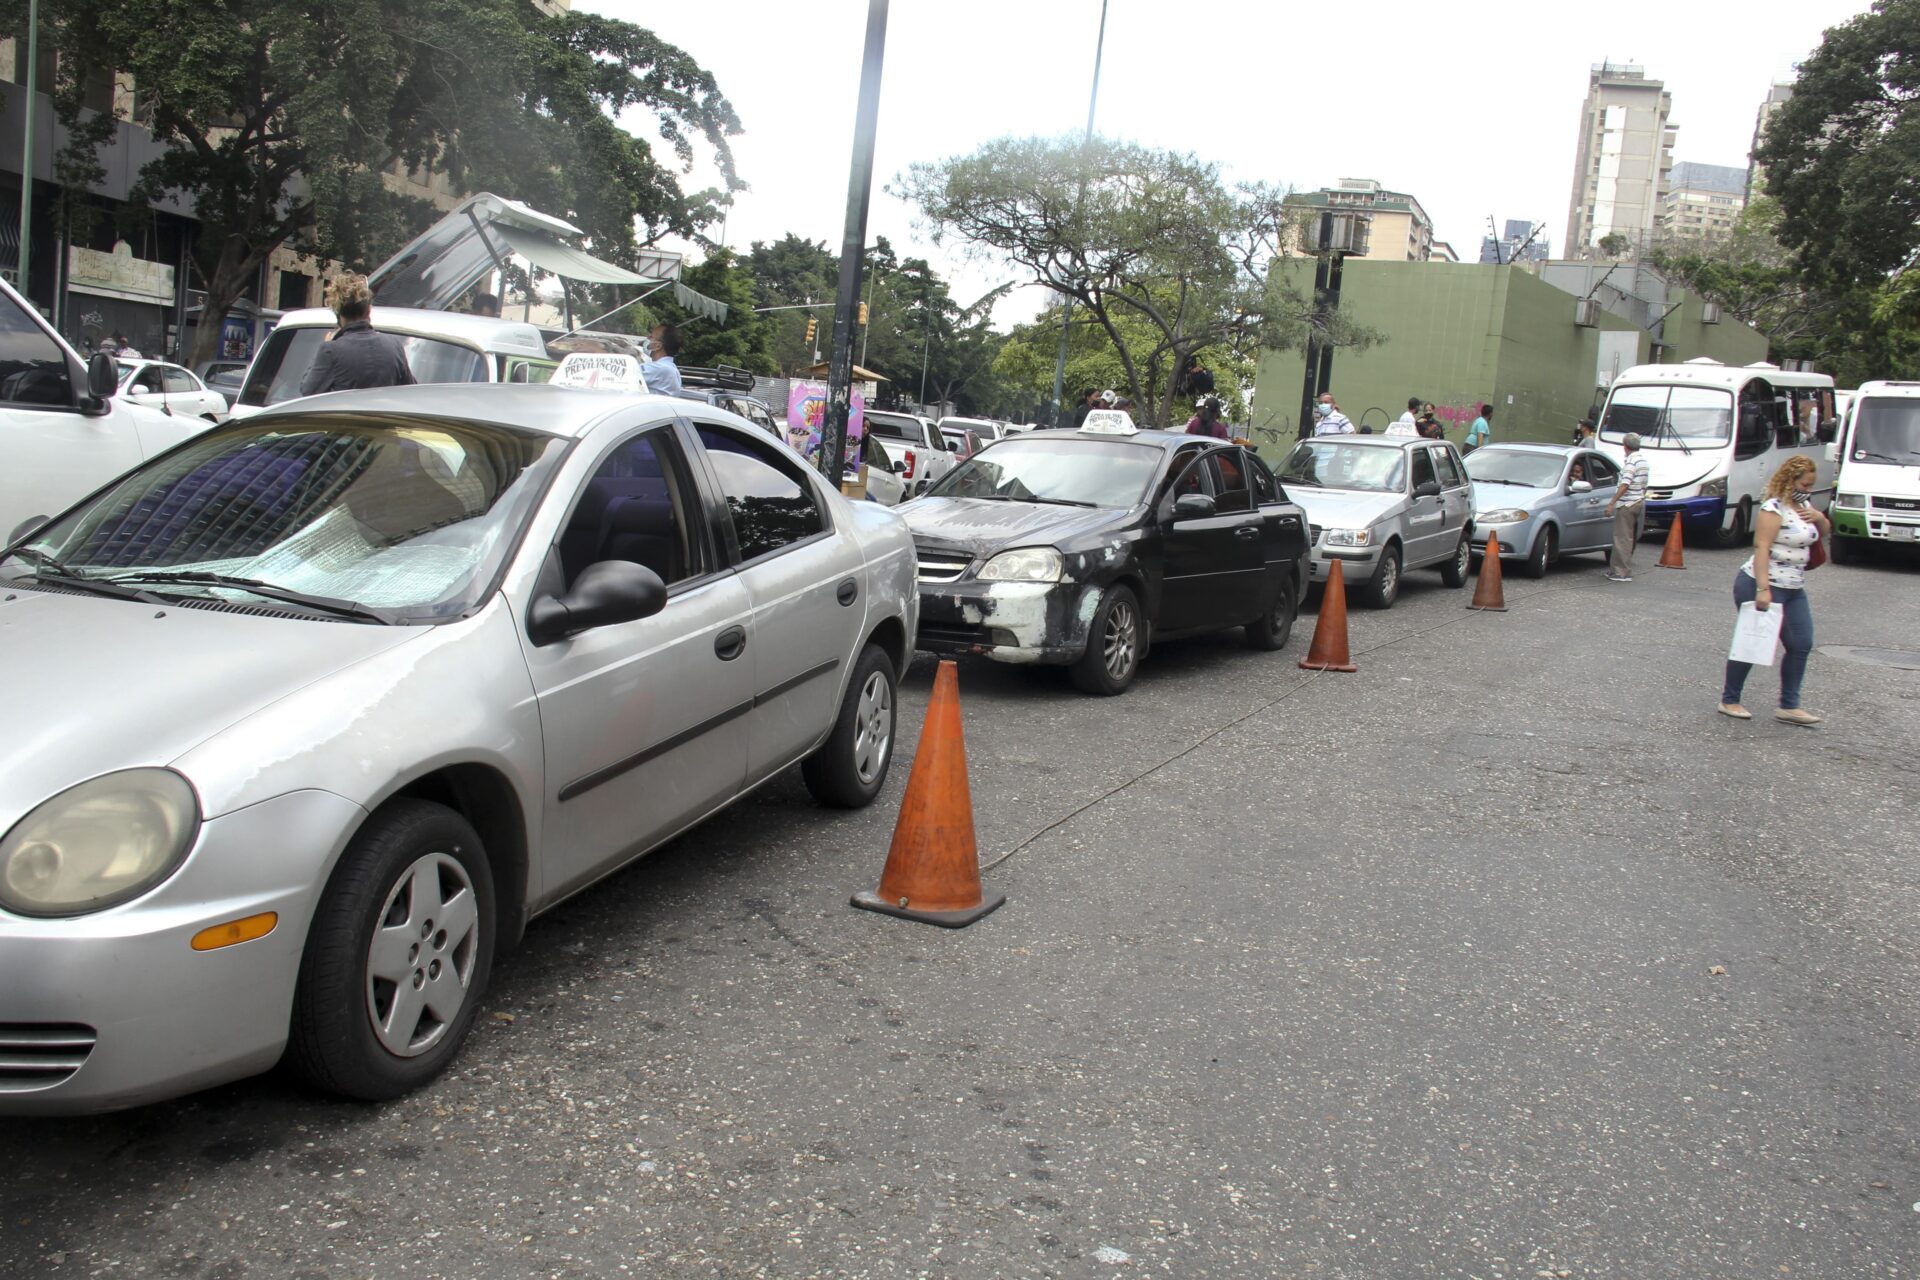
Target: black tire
point(1844, 550)
point(1546, 549)
point(407, 847)
point(1272, 631)
point(1116, 642)
point(1384, 587)
point(1742, 531)
point(850, 767)
point(1455, 571)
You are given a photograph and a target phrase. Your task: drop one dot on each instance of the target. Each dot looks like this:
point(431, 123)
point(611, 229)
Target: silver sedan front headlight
point(1349, 537)
point(98, 844)
point(1502, 515)
point(1026, 564)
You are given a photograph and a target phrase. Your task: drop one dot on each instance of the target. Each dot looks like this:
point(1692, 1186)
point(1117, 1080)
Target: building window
point(293, 290)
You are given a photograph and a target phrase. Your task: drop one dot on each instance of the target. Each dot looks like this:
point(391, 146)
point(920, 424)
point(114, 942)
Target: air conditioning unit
point(1586, 313)
point(1709, 313)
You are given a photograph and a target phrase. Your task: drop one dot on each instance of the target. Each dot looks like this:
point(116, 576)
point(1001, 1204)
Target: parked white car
point(170, 389)
point(915, 441)
point(63, 432)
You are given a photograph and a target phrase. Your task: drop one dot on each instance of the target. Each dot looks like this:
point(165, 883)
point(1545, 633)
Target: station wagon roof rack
point(724, 377)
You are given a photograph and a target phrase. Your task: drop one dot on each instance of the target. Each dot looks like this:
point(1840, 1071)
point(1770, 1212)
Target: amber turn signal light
point(245, 929)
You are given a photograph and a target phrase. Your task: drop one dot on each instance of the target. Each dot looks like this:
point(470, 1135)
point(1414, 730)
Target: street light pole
point(1066, 311)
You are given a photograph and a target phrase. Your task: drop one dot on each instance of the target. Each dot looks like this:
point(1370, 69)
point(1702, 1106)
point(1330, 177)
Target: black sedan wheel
point(1272, 631)
point(1115, 644)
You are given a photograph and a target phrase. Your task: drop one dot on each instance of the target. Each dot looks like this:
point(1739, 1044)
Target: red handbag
point(1816, 551)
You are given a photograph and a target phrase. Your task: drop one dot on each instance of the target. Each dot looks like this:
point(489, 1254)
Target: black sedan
point(1080, 548)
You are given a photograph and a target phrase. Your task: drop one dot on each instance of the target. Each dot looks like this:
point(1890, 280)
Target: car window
point(1423, 468)
point(636, 508)
point(893, 426)
point(1092, 471)
point(772, 502)
point(1330, 462)
point(1229, 475)
point(1601, 471)
point(1265, 488)
point(1450, 473)
point(177, 380)
point(33, 368)
point(875, 453)
point(288, 354)
point(1196, 477)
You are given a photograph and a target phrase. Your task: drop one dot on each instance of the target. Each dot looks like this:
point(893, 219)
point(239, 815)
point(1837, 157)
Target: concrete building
point(1443, 252)
point(1777, 97)
point(1401, 231)
point(1465, 335)
point(1521, 241)
point(1701, 203)
point(1622, 161)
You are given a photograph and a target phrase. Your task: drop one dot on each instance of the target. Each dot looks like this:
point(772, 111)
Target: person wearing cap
point(1583, 434)
point(1206, 420)
point(1629, 500)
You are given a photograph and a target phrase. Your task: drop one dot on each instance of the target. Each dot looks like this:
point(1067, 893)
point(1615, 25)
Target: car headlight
point(1027, 564)
point(1850, 500)
point(1502, 515)
point(98, 844)
point(1714, 488)
point(1349, 537)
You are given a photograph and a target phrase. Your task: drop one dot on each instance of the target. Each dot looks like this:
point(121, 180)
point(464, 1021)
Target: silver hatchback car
point(1382, 505)
point(1544, 500)
point(309, 716)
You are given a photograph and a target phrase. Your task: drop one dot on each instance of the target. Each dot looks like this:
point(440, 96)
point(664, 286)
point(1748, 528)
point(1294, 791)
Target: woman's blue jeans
point(1796, 632)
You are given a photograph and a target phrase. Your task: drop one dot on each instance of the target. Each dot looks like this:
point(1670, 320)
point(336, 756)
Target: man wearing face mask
point(1328, 420)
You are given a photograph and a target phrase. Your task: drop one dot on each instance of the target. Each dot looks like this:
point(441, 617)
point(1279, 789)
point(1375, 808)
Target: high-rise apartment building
point(1777, 97)
point(1400, 229)
point(1522, 241)
point(1624, 155)
point(1701, 202)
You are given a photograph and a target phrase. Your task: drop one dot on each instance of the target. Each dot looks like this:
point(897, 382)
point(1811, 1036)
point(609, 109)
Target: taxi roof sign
point(600, 371)
point(1109, 422)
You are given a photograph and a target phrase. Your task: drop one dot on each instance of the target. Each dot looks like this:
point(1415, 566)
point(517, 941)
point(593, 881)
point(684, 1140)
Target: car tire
point(850, 767)
point(1455, 571)
point(413, 866)
point(1844, 550)
point(1272, 631)
point(1116, 642)
point(1742, 530)
point(1546, 549)
point(1384, 587)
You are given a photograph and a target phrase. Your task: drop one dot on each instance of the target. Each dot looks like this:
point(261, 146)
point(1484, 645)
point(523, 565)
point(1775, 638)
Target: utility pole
point(866, 125)
point(32, 88)
point(1066, 312)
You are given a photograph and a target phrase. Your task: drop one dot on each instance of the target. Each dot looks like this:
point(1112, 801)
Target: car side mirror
point(1427, 489)
point(1193, 506)
point(21, 530)
point(1833, 451)
point(898, 467)
point(607, 592)
point(102, 375)
point(1580, 486)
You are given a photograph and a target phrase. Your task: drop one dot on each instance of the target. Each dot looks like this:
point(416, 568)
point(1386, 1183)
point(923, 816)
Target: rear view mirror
point(1193, 506)
point(607, 592)
point(103, 375)
point(1580, 486)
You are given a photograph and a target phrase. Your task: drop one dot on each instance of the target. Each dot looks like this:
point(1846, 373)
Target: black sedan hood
point(980, 526)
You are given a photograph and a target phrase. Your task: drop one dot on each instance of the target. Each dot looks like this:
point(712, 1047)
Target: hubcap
point(1461, 557)
point(1118, 644)
point(873, 728)
point(1389, 576)
point(420, 961)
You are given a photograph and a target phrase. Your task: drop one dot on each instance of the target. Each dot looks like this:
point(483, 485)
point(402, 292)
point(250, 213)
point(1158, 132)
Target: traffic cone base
point(933, 867)
point(1488, 594)
point(1328, 652)
point(1673, 555)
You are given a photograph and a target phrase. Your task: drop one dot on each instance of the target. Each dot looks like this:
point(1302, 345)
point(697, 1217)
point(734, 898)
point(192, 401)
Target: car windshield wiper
point(55, 570)
point(1311, 484)
point(1491, 480)
point(262, 588)
point(1062, 502)
point(1869, 453)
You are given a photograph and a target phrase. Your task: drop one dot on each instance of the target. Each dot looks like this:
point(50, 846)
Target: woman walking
point(1785, 529)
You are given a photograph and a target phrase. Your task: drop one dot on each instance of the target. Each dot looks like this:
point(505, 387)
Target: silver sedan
point(309, 716)
point(1543, 500)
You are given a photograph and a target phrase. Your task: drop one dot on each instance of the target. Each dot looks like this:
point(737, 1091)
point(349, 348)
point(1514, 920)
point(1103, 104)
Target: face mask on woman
point(1801, 497)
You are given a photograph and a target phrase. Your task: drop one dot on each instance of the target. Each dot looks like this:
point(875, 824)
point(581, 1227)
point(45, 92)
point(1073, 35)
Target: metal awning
point(549, 254)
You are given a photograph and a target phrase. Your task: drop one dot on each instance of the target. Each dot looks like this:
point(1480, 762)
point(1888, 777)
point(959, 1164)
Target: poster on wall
point(807, 418)
point(236, 339)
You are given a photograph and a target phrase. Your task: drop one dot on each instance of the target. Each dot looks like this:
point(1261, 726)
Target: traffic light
point(813, 327)
point(863, 315)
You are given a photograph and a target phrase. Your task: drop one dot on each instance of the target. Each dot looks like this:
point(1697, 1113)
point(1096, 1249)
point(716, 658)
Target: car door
point(1426, 512)
point(1283, 525)
point(1456, 496)
point(645, 722)
point(1213, 564)
point(1593, 527)
point(803, 577)
point(180, 393)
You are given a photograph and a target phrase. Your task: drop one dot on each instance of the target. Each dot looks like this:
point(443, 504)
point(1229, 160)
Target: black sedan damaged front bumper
point(1037, 622)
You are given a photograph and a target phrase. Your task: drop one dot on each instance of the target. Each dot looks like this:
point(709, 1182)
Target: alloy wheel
point(873, 728)
point(1121, 638)
point(420, 962)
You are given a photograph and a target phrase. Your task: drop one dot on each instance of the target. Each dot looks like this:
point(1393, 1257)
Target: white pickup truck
point(914, 441)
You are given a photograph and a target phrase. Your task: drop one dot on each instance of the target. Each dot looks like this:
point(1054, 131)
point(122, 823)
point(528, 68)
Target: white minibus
point(1877, 492)
point(1714, 434)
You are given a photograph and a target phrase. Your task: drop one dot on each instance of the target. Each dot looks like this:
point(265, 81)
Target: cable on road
point(1215, 732)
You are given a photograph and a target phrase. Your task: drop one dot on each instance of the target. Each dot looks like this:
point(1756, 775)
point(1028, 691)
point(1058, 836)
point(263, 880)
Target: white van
point(1877, 492)
point(1714, 435)
point(63, 431)
point(442, 346)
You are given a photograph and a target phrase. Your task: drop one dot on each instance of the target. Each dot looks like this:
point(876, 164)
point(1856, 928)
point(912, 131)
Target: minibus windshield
point(1886, 429)
point(1669, 417)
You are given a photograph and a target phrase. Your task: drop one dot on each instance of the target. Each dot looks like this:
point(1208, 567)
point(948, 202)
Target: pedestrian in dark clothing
point(1195, 379)
point(1089, 401)
point(1207, 421)
point(355, 356)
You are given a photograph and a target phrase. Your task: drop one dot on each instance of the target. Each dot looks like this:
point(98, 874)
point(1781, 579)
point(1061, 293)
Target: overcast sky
point(1472, 108)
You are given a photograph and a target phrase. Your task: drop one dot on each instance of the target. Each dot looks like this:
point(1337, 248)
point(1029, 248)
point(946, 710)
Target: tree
point(283, 120)
point(1615, 244)
point(1132, 233)
point(1025, 365)
point(1753, 278)
point(787, 272)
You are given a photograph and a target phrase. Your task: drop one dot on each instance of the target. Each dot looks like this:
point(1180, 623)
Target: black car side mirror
point(1193, 506)
point(103, 375)
point(898, 467)
point(1427, 489)
point(606, 592)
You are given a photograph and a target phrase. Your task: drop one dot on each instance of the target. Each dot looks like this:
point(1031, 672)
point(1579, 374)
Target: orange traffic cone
point(933, 869)
point(1328, 652)
point(1487, 593)
point(1673, 555)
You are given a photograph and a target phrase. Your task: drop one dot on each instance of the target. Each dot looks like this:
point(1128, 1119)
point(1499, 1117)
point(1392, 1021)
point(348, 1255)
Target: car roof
point(1149, 436)
point(1888, 388)
point(1535, 446)
point(1389, 442)
point(557, 411)
point(489, 333)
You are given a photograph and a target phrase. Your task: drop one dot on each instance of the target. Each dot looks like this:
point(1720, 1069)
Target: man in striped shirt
point(1629, 502)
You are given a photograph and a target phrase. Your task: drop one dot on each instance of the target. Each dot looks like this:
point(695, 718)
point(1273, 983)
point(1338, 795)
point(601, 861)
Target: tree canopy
point(287, 120)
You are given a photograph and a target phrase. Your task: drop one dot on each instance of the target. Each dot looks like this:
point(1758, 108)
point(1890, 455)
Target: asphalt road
point(1504, 957)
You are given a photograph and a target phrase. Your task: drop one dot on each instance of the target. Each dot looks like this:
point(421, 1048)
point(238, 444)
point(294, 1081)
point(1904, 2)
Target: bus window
point(1785, 414)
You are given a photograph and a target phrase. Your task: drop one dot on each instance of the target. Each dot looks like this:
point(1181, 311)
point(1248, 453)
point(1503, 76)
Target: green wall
point(1463, 334)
